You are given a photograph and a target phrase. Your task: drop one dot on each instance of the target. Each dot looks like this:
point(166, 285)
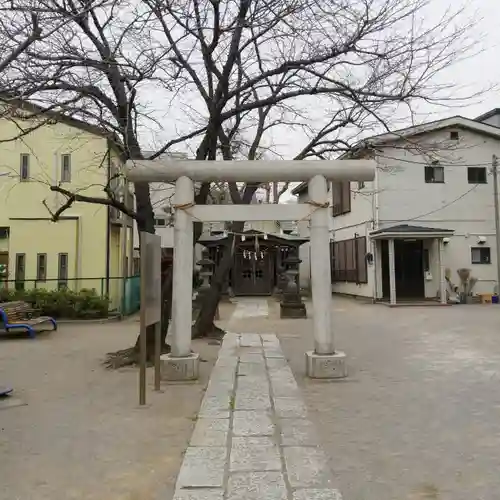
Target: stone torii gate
point(325, 361)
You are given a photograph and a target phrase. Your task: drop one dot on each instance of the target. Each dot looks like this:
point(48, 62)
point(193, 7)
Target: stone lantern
point(206, 270)
point(291, 305)
point(205, 273)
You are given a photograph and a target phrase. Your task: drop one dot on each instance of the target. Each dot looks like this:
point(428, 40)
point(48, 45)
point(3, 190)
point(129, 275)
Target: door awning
point(405, 231)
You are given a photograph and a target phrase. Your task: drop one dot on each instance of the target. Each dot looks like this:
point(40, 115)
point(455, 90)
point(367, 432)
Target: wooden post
point(392, 273)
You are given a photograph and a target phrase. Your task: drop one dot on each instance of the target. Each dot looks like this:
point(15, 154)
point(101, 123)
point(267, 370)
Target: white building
point(432, 195)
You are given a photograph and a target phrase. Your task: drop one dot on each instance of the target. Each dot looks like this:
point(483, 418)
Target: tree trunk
point(204, 325)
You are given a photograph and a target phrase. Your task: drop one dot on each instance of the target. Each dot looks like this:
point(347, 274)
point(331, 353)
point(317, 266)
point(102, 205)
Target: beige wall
point(83, 234)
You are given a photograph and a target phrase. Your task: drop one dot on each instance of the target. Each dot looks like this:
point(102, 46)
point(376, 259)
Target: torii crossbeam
point(324, 361)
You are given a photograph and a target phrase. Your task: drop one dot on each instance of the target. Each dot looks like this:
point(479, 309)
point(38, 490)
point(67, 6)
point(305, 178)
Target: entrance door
point(252, 277)
point(409, 269)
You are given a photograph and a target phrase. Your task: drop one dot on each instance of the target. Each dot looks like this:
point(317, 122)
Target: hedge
point(64, 303)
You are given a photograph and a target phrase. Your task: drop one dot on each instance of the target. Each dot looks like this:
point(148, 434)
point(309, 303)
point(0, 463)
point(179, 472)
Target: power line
point(446, 205)
point(429, 164)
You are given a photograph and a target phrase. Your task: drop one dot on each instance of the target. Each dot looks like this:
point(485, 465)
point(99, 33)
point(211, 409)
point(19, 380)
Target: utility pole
point(494, 168)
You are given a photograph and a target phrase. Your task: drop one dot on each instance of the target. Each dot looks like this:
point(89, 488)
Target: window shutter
point(349, 260)
point(337, 198)
point(346, 197)
point(361, 260)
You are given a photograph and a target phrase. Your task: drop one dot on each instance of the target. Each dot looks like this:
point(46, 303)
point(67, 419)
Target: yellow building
point(89, 246)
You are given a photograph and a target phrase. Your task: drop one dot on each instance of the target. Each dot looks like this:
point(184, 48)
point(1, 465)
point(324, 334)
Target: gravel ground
point(79, 433)
point(418, 418)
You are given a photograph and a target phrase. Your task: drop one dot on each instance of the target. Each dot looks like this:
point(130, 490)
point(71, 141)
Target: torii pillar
point(324, 361)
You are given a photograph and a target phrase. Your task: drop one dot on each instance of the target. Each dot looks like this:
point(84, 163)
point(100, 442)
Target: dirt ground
point(78, 433)
point(417, 418)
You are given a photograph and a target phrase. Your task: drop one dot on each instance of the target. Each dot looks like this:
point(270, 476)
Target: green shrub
point(64, 303)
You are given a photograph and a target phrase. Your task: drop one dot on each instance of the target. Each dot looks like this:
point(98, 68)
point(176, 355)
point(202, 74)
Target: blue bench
point(21, 316)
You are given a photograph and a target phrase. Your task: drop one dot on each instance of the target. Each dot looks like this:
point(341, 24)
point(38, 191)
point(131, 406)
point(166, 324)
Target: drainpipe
point(375, 226)
point(376, 198)
point(108, 225)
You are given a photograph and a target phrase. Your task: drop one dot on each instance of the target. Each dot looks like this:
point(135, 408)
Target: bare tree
point(219, 70)
point(17, 38)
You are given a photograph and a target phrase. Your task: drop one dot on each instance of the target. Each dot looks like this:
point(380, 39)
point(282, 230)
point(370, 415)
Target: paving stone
point(269, 339)
point(306, 467)
point(279, 368)
point(315, 494)
point(256, 486)
point(252, 401)
point(252, 385)
point(224, 373)
point(285, 389)
point(227, 360)
point(218, 385)
point(290, 407)
point(254, 454)
point(202, 467)
point(250, 350)
point(298, 432)
point(210, 432)
point(252, 423)
point(273, 352)
point(230, 340)
point(284, 385)
point(215, 407)
point(199, 494)
point(252, 358)
point(250, 340)
point(249, 369)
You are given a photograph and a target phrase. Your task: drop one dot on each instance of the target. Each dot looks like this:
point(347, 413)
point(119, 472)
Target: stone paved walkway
point(253, 439)
point(250, 308)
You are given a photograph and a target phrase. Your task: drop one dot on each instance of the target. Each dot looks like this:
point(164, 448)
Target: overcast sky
point(481, 70)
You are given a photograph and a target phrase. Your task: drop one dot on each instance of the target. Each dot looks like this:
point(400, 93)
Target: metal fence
point(122, 293)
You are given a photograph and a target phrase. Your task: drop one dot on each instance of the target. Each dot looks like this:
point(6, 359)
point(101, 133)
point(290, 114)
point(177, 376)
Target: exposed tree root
point(214, 332)
point(129, 357)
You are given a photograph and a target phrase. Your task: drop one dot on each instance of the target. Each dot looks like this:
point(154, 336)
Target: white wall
point(399, 195)
point(468, 209)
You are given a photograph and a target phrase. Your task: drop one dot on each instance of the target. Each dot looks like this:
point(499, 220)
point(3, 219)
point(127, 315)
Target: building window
point(480, 255)
point(476, 175)
point(341, 194)
point(20, 270)
point(454, 135)
point(24, 168)
point(349, 260)
point(66, 168)
point(434, 173)
point(361, 185)
point(62, 271)
point(41, 267)
point(160, 222)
